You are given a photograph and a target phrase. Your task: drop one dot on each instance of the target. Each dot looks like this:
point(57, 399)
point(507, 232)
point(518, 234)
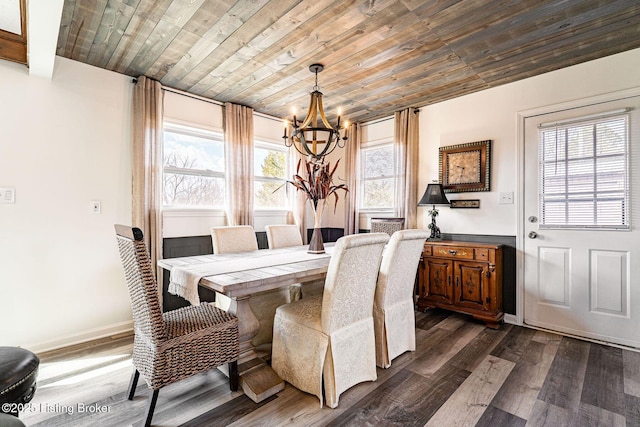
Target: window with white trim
point(270, 175)
point(194, 170)
point(378, 175)
point(584, 176)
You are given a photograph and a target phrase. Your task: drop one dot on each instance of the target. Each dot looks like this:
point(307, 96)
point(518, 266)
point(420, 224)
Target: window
point(584, 180)
point(378, 177)
point(193, 168)
point(270, 174)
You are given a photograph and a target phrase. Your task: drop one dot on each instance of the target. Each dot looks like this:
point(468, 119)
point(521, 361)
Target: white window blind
point(584, 179)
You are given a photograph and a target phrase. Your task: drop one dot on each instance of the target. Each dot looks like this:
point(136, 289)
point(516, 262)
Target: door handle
point(533, 234)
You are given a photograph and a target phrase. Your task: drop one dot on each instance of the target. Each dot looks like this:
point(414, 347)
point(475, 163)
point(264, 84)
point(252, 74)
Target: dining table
point(238, 276)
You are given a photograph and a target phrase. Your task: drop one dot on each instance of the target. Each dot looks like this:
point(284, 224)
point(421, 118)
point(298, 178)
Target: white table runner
point(183, 280)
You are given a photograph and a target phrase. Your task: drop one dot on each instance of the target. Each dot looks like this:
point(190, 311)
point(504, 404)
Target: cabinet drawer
point(453, 252)
point(427, 251)
point(482, 254)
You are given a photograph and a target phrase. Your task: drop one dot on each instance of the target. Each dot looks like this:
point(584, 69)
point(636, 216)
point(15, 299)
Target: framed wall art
point(465, 167)
point(466, 204)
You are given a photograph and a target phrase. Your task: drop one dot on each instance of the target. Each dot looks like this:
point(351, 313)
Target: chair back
point(386, 225)
point(236, 238)
point(399, 267)
point(283, 236)
point(351, 280)
point(143, 291)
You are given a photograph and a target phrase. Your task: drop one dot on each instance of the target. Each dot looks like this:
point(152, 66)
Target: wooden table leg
point(257, 379)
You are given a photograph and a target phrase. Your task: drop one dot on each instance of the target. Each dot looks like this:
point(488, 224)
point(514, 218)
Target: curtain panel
point(238, 145)
point(147, 166)
point(298, 198)
point(406, 149)
point(352, 171)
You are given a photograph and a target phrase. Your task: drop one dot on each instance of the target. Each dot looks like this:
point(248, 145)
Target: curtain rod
point(211, 101)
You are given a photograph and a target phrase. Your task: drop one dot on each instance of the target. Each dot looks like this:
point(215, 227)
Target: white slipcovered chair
point(329, 340)
point(242, 238)
point(393, 306)
point(236, 238)
point(284, 236)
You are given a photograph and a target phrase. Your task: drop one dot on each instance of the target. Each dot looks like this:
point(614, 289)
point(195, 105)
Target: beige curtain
point(352, 171)
point(238, 143)
point(298, 198)
point(147, 166)
point(406, 149)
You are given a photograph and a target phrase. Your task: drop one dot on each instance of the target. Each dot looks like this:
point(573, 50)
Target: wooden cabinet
point(462, 276)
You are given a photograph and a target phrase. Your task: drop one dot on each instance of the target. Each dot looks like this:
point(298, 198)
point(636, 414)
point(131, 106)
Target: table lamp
point(434, 195)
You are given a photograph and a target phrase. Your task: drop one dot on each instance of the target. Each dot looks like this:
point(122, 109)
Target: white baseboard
point(511, 319)
point(91, 334)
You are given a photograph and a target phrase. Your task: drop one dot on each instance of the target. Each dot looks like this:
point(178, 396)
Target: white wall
point(492, 114)
point(64, 142)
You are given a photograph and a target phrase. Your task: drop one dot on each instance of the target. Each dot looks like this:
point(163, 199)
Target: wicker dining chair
point(386, 225)
point(172, 346)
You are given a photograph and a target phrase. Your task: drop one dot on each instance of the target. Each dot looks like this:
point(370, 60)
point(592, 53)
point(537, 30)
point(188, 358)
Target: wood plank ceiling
point(380, 56)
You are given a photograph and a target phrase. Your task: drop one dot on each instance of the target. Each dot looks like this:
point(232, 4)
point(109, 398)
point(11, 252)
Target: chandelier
point(315, 136)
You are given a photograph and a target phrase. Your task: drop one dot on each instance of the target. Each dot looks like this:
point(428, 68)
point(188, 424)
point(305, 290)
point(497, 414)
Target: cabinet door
point(472, 285)
point(437, 280)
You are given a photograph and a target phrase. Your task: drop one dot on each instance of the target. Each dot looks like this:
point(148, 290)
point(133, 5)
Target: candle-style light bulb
point(293, 111)
point(286, 125)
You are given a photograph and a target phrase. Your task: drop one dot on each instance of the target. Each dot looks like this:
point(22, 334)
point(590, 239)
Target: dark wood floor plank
point(603, 380)
point(478, 348)
point(493, 417)
point(632, 410)
point(430, 318)
point(467, 404)
point(592, 416)
point(563, 385)
point(519, 393)
point(548, 415)
point(513, 346)
point(442, 346)
point(631, 366)
point(400, 401)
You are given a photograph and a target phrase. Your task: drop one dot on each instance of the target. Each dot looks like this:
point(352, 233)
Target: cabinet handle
point(449, 279)
point(452, 252)
point(457, 282)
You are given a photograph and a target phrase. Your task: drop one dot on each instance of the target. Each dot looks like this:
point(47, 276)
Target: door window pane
point(584, 177)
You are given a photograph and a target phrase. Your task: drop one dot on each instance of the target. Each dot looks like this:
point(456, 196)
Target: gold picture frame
point(465, 167)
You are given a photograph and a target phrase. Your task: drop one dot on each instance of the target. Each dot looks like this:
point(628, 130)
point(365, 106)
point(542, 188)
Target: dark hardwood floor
point(462, 374)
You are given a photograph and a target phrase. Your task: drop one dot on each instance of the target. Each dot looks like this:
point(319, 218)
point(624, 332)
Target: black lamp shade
point(434, 195)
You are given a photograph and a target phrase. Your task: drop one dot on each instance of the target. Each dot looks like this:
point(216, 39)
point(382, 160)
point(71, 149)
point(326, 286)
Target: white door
point(581, 265)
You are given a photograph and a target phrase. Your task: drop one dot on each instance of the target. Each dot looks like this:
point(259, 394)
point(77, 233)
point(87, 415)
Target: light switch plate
point(506, 198)
point(7, 195)
point(95, 206)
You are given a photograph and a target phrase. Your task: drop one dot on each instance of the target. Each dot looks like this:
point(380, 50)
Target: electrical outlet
point(506, 198)
point(7, 195)
point(95, 206)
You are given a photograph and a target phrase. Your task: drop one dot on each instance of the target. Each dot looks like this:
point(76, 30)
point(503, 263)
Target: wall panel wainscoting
point(461, 373)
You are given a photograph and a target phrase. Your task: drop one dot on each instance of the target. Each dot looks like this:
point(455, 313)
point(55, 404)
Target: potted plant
point(316, 181)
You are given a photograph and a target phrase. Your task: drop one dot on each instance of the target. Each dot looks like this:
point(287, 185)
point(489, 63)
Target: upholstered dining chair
point(393, 305)
point(233, 238)
point(327, 343)
point(386, 225)
point(284, 236)
point(242, 238)
point(172, 346)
